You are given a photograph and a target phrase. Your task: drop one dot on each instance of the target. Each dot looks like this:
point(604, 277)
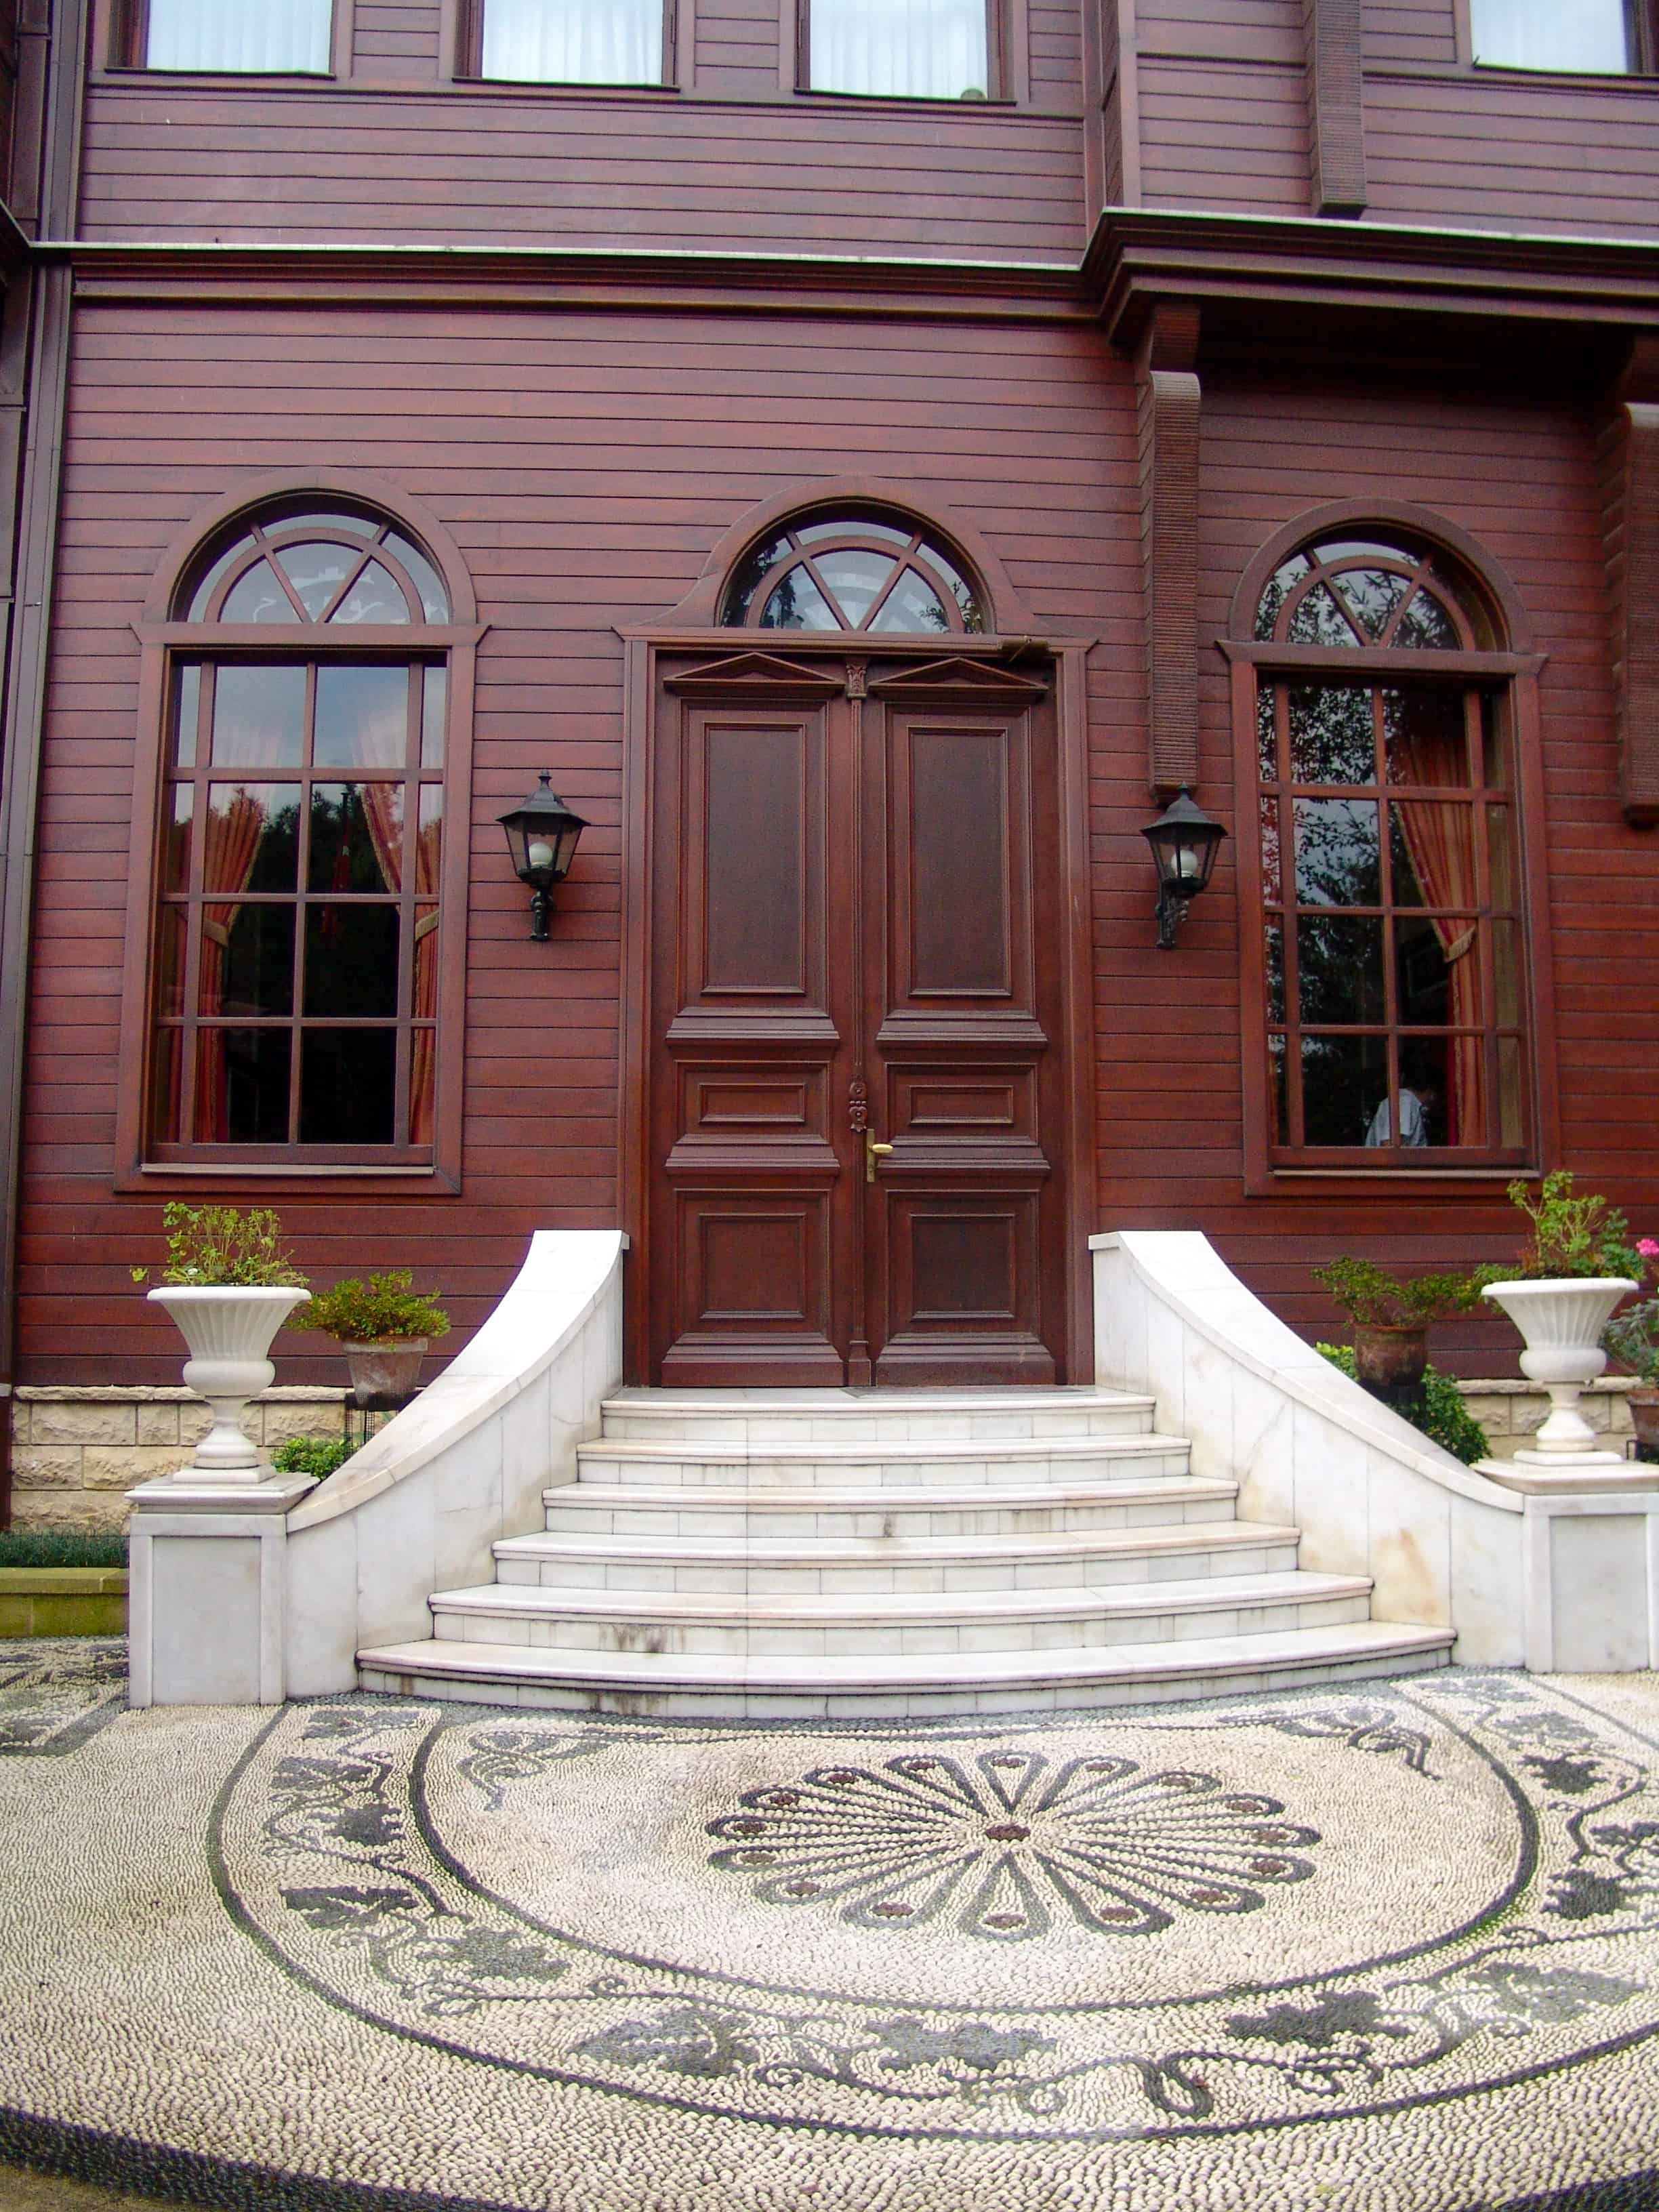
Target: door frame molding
point(1067, 657)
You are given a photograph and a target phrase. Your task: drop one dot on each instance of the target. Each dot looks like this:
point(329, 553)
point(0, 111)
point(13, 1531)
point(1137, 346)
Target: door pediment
point(758, 676)
point(959, 680)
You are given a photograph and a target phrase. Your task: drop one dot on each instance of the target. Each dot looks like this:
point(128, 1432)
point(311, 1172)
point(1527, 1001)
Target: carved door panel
point(850, 897)
point(964, 1278)
point(750, 888)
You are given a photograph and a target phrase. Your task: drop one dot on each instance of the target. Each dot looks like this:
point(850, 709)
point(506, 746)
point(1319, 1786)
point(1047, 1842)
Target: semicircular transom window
point(335, 568)
point(853, 572)
point(1369, 591)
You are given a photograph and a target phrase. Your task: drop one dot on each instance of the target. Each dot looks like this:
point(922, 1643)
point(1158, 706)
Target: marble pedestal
point(208, 1590)
point(1569, 1475)
point(1589, 1557)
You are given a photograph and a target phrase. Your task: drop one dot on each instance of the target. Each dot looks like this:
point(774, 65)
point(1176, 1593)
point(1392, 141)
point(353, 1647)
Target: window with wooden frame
point(899, 49)
point(625, 42)
point(275, 37)
point(1606, 38)
point(1389, 972)
point(305, 896)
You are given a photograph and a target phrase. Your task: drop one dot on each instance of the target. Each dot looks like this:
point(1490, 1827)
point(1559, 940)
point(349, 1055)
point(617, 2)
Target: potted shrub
point(1633, 1337)
point(383, 1327)
point(1574, 1268)
point(229, 1284)
point(1391, 1316)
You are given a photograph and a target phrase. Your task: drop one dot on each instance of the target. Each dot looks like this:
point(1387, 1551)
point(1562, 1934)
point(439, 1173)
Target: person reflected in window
point(1416, 1110)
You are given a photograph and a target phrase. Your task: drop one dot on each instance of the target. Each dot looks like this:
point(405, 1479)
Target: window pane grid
point(1354, 1058)
point(215, 1083)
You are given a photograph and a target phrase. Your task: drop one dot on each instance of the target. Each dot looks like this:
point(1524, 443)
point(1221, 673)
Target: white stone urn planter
point(1562, 1319)
point(228, 1327)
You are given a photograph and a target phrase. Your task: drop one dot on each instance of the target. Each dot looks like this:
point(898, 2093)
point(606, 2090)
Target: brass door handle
point(872, 1152)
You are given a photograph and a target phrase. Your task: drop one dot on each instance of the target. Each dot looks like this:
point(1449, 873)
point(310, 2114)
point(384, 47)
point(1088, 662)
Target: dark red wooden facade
point(600, 337)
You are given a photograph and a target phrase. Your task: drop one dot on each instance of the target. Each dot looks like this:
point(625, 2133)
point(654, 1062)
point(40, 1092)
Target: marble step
point(790, 1627)
point(772, 1462)
point(587, 1508)
point(851, 1565)
point(728, 1416)
point(713, 1687)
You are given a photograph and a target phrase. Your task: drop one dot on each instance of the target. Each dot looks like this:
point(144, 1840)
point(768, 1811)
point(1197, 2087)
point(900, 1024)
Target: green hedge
point(1441, 1413)
point(60, 1547)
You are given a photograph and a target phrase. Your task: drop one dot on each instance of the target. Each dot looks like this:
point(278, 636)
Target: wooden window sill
point(131, 72)
point(1630, 81)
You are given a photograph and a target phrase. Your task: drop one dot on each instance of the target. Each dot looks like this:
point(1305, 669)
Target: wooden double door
point(854, 1090)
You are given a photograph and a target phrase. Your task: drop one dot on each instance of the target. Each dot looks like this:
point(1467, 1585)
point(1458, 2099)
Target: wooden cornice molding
point(1274, 267)
point(1279, 265)
point(1628, 457)
point(1168, 402)
point(568, 276)
point(1336, 106)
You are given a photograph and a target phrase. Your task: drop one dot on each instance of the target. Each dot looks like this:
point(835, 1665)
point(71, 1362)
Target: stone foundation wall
point(1511, 1413)
point(75, 1451)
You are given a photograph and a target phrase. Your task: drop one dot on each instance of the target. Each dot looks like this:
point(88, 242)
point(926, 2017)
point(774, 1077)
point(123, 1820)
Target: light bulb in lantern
point(540, 854)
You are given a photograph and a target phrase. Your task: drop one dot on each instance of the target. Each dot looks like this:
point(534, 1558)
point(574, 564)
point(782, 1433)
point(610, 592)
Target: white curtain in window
point(573, 41)
point(928, 49)
point(234, 34)
point(1552, 35)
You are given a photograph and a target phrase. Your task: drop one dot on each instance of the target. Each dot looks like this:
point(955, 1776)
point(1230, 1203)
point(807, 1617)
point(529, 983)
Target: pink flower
point(1648, 1247)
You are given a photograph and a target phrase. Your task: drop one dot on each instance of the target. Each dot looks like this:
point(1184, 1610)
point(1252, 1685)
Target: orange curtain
point(381, 812)
point(423, 1045)
point(1440, 839)
point(232, 842)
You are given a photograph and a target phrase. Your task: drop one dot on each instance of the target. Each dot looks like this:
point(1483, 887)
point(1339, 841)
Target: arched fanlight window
point(336, 569)
point(1372, 591)
point(854, 572)
point(302, 875)
point(1388, 857)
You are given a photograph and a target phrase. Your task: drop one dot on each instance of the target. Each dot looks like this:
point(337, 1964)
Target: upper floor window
point(1584, 36)
point(569, 41)
point(302, 891)
point(852, 572)
point(1388, 857)
point(275, 37)
point(921, 49)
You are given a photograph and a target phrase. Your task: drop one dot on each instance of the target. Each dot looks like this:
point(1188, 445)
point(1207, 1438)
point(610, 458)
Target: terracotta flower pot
point(1389, 1357)
point(386, 1372)
point(228, 1329)
point(1562, 1320)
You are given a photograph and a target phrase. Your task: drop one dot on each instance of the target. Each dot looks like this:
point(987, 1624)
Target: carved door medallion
point(855, 1083)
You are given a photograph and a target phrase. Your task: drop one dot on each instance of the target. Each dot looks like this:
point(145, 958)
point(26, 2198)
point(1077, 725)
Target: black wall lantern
point(541, 835)
point(1184, 843)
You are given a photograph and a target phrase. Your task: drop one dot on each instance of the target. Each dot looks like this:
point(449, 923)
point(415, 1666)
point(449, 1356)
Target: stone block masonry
point(76, 1451)
point(1511, 1413)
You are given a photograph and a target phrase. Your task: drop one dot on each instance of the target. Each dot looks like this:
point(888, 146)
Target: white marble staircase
point(783, 1553)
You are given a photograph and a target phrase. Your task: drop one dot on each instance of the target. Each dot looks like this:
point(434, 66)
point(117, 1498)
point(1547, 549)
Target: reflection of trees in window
point(853, 573)
point(1389, 871)
point(297, 975)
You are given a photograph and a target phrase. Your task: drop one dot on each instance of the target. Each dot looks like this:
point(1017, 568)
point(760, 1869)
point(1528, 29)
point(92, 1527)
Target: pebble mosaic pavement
point(1392, 1947)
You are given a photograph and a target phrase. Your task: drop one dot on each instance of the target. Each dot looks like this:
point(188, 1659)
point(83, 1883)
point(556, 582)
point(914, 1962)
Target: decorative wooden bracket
point(1336, 106)
point(1168, 402)
point(1629, 455)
